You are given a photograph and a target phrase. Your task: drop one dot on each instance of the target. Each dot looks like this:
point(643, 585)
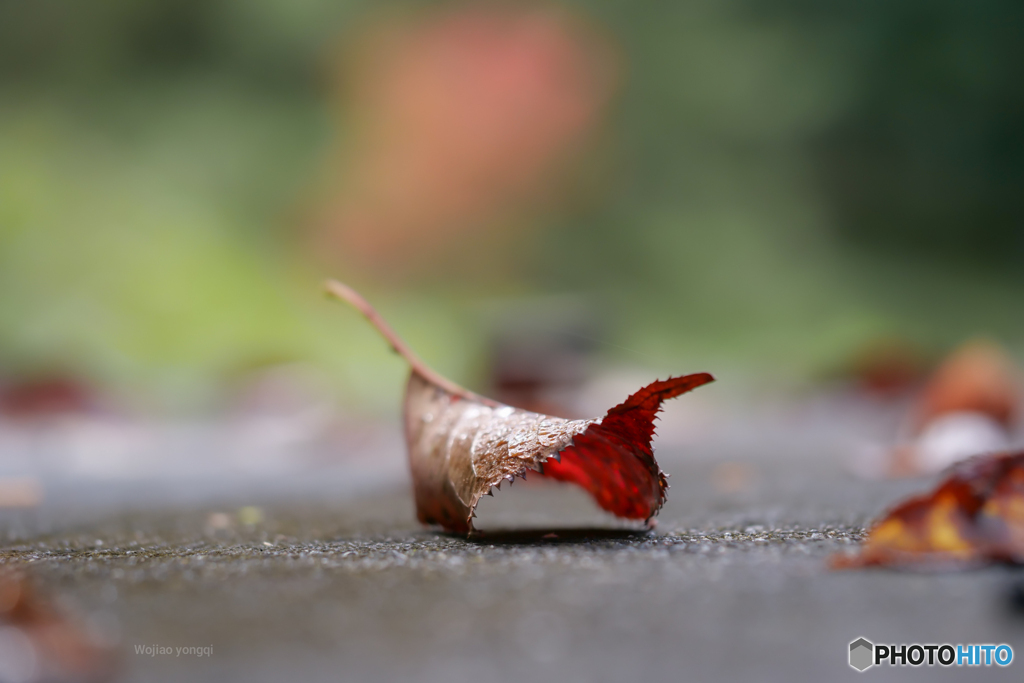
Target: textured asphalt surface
point(320, 580)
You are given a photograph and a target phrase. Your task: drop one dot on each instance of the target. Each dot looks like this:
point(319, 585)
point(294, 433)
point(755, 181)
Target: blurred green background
point(772, 186)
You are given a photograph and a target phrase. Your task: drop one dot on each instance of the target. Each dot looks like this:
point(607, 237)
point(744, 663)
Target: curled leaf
point(462, 445)
point(974, 516)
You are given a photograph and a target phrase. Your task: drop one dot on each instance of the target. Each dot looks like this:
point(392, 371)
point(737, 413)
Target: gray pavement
point(731, 586)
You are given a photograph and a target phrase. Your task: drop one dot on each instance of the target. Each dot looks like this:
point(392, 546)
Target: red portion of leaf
point(613, 460)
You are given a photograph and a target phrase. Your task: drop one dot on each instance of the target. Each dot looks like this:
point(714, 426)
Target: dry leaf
point(968, 406)
point(462, 445)
point(978, 377)
point(45, 396)
point(886, 367)
point(974, 516)
point(43, 644)
point(20, 492)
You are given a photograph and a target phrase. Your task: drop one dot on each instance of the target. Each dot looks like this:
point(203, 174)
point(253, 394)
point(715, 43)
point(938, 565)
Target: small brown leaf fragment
point(974, 516)
point(462, 445)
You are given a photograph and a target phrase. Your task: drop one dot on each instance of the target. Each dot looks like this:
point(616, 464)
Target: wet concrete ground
point(731, 585)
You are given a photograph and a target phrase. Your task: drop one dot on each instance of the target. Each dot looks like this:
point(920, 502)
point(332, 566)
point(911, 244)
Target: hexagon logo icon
point(862, 654)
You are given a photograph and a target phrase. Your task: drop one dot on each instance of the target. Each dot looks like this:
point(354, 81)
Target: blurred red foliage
point(459, 118)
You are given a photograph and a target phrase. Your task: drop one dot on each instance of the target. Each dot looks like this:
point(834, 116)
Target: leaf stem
point(356, 300)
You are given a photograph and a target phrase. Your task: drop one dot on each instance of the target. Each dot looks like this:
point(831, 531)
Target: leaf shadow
point(556, 536)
